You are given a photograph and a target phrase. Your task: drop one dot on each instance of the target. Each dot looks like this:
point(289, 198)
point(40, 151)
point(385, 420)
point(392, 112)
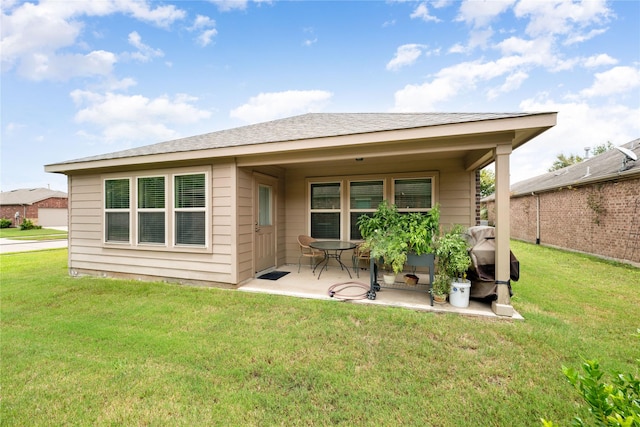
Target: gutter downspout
point(537, 196)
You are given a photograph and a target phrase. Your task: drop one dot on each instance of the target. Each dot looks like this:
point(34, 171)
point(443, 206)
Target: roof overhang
point(474, 141)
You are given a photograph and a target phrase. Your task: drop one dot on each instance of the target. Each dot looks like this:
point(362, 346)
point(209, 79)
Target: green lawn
point(90, 351)
point(39, 234)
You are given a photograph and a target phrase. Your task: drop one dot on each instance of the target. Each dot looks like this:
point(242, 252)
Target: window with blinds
point(151, 210)
point(325, 210)
point(117, 210)
point(190, 209)
point(412, 194)
point(364, 198)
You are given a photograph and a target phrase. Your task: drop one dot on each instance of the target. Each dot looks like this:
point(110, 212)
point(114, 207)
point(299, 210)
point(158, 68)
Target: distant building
point(44, 207)
point(592, 206)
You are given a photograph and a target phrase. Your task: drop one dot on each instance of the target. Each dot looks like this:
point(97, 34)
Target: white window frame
point(408, 178)
point(339, 210)
point(388, 180)
point(170, 238)
point(106, 210)
point(163, 210)
point(203, 209)
point(351, 210)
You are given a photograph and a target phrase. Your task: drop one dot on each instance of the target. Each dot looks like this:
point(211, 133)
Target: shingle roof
point(602, 167)
point(28, 196)
point(306, 126)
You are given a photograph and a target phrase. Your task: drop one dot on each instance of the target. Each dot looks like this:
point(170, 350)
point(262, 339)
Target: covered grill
point(483, 264)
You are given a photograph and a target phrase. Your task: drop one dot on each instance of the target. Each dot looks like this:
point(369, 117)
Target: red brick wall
point(31, 211)
point(596, 219)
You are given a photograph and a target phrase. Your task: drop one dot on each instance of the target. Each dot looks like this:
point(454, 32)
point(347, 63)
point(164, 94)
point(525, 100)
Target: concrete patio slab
point(307, 285)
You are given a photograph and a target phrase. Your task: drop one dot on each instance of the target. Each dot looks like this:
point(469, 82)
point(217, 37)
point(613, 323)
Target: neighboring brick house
point(592, 206)
point(44, 207)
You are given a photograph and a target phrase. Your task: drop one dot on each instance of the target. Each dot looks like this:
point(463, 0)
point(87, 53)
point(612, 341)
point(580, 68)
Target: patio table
point(332, 250)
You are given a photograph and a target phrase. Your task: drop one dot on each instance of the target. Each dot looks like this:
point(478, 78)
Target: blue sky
point(88, 77)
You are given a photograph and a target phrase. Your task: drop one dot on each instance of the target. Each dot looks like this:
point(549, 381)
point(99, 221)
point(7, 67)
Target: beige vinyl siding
point(88, 253)
point(457, 194)
point(296, 213)
point(223, 220)
point(246, 227)
point(281, 205)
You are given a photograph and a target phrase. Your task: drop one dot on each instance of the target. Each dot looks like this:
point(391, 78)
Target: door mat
point(273, 275)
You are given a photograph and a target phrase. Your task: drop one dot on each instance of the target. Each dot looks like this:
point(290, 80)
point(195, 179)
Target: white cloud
point(450, 81)
point(441, 3)
point(614, 81)
point(477, 38)
point(227, 5)
point(202, 21)
point(481, 13)
point(312, 39)
point(145, 53)
point(38, 66)
point(598, 60)
point(204, 39)
point(309, 42)
point(207, 27)
point(563, 17)
point(422, 12)
point(162, 16)
point(538, 52)
point(407, 54)
point(135, 117)
point(12, 127)
point(579, 37)
point(34, 34)
point(123, 84)
point(512, 82)
point(269, 106)
point(457, 48)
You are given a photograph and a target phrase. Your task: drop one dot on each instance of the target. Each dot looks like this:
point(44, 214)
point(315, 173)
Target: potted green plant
point(440, 288)
point(421, 230)
point(385, 236)
point(452, 254)
point(397, 238)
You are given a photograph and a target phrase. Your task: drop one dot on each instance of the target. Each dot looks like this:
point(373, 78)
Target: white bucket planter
point(459, 295)
point(389, 278)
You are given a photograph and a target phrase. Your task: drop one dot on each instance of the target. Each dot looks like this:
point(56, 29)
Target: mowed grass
point(34, 234)
point(91, 351)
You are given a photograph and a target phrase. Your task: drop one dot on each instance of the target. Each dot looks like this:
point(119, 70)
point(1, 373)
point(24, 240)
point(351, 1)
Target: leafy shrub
point(5, 223)
point(27, 224)
point(614, 404)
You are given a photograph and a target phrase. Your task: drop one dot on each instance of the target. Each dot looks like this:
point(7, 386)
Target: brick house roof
point(28, 196)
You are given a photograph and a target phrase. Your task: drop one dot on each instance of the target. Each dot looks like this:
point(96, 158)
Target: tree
point(563, 161)
point(602, 148)
point(487, 182)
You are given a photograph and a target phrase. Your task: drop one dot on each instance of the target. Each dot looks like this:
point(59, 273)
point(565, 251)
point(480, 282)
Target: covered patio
point(307, 285)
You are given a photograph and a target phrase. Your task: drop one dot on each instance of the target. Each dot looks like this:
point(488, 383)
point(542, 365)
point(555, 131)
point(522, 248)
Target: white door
point(265, 235)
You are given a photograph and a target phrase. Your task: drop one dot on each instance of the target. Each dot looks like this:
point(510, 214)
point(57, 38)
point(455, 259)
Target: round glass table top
point(332, 245)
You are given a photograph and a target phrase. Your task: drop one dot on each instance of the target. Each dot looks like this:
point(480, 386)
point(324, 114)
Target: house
point(43, 206)
point(219, 208)
point(592, 206)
